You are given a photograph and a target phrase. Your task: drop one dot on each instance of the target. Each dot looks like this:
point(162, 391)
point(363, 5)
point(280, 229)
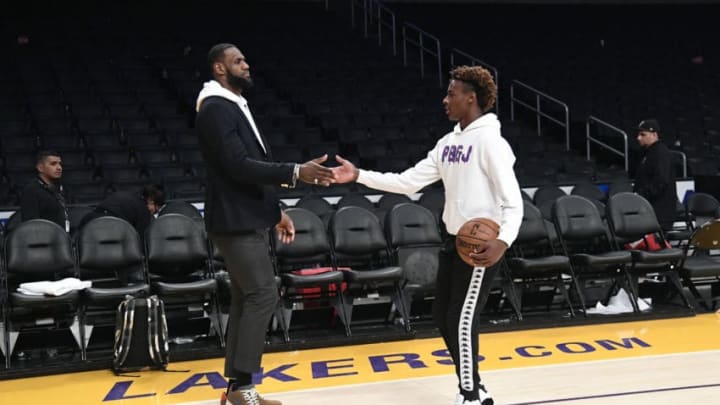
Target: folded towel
point(55, 288)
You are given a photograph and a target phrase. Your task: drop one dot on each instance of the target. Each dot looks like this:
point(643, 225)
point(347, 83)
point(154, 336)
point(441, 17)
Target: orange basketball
point(472, 234)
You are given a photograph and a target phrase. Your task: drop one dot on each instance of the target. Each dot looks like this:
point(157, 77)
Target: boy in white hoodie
point(475, 164)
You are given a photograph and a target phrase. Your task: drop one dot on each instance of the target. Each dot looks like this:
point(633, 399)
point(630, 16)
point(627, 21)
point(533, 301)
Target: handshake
point(313, 172)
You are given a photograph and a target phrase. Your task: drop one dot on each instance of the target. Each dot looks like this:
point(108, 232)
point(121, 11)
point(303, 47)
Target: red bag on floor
point(650, 243)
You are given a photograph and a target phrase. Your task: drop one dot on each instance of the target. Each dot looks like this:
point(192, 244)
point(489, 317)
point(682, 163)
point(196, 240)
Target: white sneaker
point(485, 397)
point(460, 400)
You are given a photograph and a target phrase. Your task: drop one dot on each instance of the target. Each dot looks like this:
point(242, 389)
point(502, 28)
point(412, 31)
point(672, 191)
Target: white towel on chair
point(55, 288)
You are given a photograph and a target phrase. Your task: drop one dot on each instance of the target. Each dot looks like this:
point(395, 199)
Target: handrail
point(475, 61)
point(390, 24)
point(363, 5)
point(683, 156)
point(421, 48)
point(537, 108)
point(591, 119)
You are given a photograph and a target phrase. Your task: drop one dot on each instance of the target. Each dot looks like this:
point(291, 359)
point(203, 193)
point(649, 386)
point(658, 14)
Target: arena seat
point(533, 261)
point(38, 250)
point(177, 256)
point(358, 242)
point(415, 242)
point(701, 208)
point(631, 217)
point(301, 287)
point(108, 250)
point(585, 240)
point(701, 264)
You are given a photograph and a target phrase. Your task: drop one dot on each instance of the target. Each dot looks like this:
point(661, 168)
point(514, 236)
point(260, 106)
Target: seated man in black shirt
point(44, 197)
point(137, 208)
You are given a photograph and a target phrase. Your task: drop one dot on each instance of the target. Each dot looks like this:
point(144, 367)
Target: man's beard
point(239, 82)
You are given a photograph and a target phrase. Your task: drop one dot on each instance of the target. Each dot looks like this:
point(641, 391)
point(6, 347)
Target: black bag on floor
point(141, 338)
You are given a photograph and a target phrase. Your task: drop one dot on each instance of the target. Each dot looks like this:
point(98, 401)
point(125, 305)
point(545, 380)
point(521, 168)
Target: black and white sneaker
point(485, 397)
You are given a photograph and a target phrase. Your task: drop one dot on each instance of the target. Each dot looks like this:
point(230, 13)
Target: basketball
point(472, 234)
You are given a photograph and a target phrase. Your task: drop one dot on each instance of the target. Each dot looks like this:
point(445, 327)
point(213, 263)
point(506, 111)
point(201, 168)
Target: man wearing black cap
point(653, 177)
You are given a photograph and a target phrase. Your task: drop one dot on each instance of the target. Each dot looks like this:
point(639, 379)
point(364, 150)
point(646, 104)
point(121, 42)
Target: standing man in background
point(654, 175)
point(475, 164)
point(240, 207)
point(44, 197)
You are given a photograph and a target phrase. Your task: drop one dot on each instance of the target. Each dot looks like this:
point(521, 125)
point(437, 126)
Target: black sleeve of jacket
point(29, 204)
point(143, 221)
point(660, 169)
point(216, 125)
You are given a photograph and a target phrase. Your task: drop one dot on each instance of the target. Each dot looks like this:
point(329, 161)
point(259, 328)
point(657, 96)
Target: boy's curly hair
point(479, 80)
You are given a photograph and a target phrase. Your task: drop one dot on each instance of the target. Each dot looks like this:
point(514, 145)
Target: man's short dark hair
point(216, 54)
point(44, 154)
point(154, 193)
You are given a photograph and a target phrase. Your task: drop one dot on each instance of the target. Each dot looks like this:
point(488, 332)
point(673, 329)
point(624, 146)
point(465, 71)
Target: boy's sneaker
point(485, 398)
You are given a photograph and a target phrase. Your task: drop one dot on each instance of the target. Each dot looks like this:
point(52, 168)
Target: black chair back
point(532, 228)
point(702, 208)
point(589, 191)
point(175, 245)
point(108, 243)
point(631, 216)
point(38, 249)
point(311, 244)
point(355, 200)
point(316, 204)
point(577, 218)
point(388, 201)
point(411, 224)
point(180, 207)
point(547, 193)
point(356, 232)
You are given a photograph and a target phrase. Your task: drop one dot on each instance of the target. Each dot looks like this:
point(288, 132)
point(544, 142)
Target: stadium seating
point(631, 217)
point(415, 241)
point(585, 241)
point(177, 257)
point(534, 262)
point(108, 249)
point(38, 250)
point(701, 264)
point(358, 242)
point(297, 264)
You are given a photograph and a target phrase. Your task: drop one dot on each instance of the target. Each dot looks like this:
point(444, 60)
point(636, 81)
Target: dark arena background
point(112, 87)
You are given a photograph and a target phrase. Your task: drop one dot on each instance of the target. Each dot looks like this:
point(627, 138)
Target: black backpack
point(141, 337)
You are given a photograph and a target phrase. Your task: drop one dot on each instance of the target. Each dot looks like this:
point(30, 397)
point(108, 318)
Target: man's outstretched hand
point(346, 172)
point(313, 172)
